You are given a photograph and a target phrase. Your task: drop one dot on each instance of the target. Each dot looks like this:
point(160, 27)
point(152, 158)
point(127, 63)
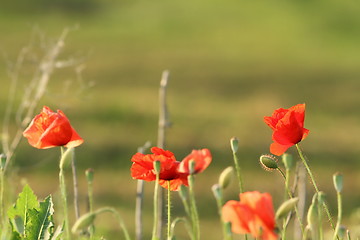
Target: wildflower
point(51, 129)
point(288, 127)
point(143, 168)
point(171, 170)
point(253, 214)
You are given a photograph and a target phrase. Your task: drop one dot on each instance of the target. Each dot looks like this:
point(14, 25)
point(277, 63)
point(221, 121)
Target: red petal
point(202, 159)
point(278, 149)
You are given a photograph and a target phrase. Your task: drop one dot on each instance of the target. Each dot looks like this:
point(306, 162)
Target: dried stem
point(163, 124)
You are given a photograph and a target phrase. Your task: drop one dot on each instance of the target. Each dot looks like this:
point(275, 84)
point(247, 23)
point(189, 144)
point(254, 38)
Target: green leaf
point(18, 213)
point(40, 225)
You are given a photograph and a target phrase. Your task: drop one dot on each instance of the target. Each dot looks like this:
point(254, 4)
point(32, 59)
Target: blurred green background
point(230, 63)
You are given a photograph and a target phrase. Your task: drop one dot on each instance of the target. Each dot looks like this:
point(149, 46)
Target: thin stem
point(168, 211)
point(339, 218)
point(2, 185)
point(238, 172)
point(288, 192)
point(219, 202)
point(138, 210)
point(180, 219)
point(314, 183)
point(75, 184)
point(156, 212)
point(117, 215)
point(65, 206)
point(194, 212)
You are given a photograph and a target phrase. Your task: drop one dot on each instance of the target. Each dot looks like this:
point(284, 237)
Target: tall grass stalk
point(163, 124)
point(304, 160)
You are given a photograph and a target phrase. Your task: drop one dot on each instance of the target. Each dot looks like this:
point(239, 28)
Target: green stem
point(339, 218)
point(168, 211)
point(63, 194)
point(288, 192)
point(64, 200)
point(2, 198)
point(194, 212)
point(219, 202)
point(303, 159)
point(177, 220)
point(156, 194)
point(120, 220)
point(238, 172)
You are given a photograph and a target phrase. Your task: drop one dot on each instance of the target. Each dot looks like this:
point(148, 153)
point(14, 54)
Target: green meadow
point(231, 63)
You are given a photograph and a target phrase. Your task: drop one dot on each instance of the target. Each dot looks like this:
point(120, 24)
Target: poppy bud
point(83, 222)
point(157, 167)
point(286, 207)
point(183, 192)
point(226, 177)
point(338, 182)
point(288, 161)
point(89, 173)
point(342, 232)
point(268, 162)
point(192, 167)
point(234, 143)
point(216, 191)
point(321, 197)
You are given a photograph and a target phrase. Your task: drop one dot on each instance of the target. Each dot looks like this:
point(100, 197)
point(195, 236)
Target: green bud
point(268, 162)
point(66, 157)
point(286, 207)
point(288, 161)
point(83, 222)
point(183, 192)
point(225, 177)
point(342, 232)
point(217, 191)
point(157, 167)
point(338, 182)
point(321, 197)
point(234, 143)
point(192, 167)
point(89, 173)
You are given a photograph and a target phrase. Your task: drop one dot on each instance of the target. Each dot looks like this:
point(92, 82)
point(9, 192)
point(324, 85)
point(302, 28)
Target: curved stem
point(303, 159)
point(117, 215)
point(180, 219)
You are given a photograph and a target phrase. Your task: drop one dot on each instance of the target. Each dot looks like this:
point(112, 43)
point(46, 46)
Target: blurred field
point(230, 64)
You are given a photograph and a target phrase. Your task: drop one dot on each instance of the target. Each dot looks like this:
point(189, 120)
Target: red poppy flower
point(51, 129)
point(288, 127)
point(253, 214)
point(143, 168)
point(202, 159)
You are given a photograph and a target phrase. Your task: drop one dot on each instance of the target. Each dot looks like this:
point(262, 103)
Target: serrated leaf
point(40, 221)
point(18, 213)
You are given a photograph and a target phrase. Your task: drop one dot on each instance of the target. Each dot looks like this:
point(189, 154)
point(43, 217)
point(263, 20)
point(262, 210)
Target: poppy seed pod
point(268, 162)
